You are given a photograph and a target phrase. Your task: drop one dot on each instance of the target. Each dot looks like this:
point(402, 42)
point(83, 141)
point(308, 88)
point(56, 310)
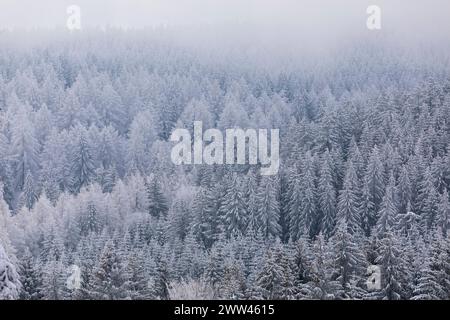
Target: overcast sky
point(417, 18)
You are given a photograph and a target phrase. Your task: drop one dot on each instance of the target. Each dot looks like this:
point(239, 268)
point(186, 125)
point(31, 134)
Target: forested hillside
point(87, 180)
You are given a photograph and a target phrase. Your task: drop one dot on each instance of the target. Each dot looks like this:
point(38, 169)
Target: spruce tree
point(110, 280)
point(31, 276)
point(390, 259)
point(443, 214)
point(348, 202)
point(374, 176)
point(349, 259)
point(157, 203)
point(327, 196)
point(428, 198)
point(82, 165)
point(268, 208)
point(10, 284)
point(234, 209)
point(388, 210)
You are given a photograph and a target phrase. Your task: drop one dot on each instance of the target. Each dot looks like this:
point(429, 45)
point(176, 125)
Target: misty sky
point(321, 21)
point(415, 14)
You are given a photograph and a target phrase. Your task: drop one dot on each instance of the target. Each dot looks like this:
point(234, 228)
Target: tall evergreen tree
point(268, 208)
point(327, 196)
point(349, 259)
point(348, 201)
point(157, 203)
point(82, 166)
point(390, 259)
point(234, 209)
point(110, 280)
point(9, 278)
point(31, 276)
point(388, 210)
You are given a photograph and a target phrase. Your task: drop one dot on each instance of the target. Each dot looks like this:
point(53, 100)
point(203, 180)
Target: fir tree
point(157, 203)
point(443, 213)
point(392, 265)
point(327, 196)
point(10, 284)
point(268, 208)
point(388, 210)
point(349, 259)
point(348, 202)
point(31, 276)
point(428, 198)
point(82, 166)
point(110, 280)
point(234, 209)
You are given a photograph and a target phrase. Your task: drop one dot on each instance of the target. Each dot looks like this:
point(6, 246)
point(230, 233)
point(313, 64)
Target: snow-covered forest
point(87, 180)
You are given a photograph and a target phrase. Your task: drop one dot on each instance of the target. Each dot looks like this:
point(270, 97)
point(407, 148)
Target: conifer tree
point(10, 285)
point(31, 276)
point(327, 196)
point(390, 259)
point(348, 202)
point(157, 203)
point(82, 166)
point(268, 208)
point(388, 210)
point(110, 280)
point(349, 259)
point(234, 209)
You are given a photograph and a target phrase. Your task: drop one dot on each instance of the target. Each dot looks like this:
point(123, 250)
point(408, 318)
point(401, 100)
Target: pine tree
point(82, 166)
point(296, 218)
point(90, 219)
point(321, 285)
point(443, 213)
point(54, 278)
point(10, 285)
point(404, 192)
point(110, 280)
point(388, 211)
point(327, 196)
point(138, 281)
point(233, 209)
point(253, 223)
point(349, 259)
point(208, 222)
point(308, 199)
point(31, 276)
point(276, 279)
point(28, 196)
point(348, 202)
point(215, 265)
point(366, 209)
point(428, 199)
point(268, 208)
point(427, 287)
point(392, 265)
point(440, 264)
point(302, 261)
point(233, 283)
point(375, 178)
point(24, 148)
point(157, 203)
point(162, 279)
